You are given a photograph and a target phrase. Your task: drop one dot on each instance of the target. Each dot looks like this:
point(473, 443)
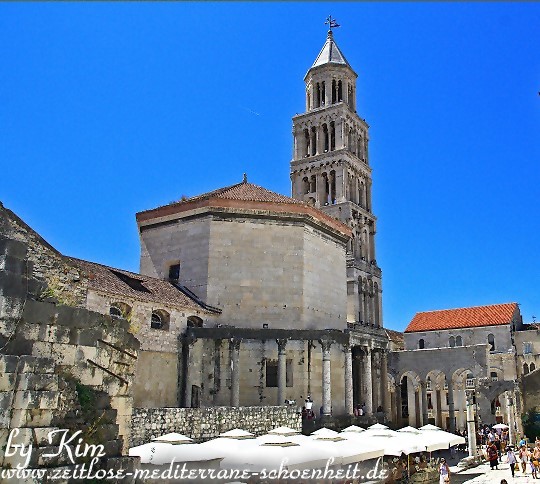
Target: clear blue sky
point(109, 109)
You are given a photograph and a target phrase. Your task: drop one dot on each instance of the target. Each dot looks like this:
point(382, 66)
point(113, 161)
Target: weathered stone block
point(5, 401)
point(38, 381)
point(14, 248)
point(7, 382)
point(8, 363)
point(39, 312)
point(35, 364)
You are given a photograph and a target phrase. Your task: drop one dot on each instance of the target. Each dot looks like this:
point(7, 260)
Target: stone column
point(282, 370)
point(417, 414)
point(385, 401)
point(339, 134)
point(326, 378)
point(368, 381)
point(451, 408)
point(438, 409)
point(188, 375)
point(398, 403)
point(349, 408)
point(510, 416)
point(235, 372)
point(471, 427)
point(424, 403)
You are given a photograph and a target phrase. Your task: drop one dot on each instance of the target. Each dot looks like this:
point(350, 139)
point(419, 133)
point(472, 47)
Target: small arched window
point(120, 310)
point(421, 344)
point(532, 367)
point(452, 342)
point(525, 368)
point(194, 322)
point(115, 312)
point(459, 341)
point(491, 342)
point(159, 319)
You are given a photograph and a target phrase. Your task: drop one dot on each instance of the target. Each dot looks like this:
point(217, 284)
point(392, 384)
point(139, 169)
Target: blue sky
point(107, 109)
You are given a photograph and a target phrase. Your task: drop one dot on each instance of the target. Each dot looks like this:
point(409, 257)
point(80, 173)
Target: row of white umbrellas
point(238, 448)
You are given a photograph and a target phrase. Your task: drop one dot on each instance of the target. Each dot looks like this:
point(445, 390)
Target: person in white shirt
point(511, 459)
point(444, 472)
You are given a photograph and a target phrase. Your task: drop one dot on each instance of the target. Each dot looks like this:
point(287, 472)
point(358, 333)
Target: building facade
point(454, 355)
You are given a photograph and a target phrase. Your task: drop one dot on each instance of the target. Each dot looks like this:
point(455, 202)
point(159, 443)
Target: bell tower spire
point(330, 170)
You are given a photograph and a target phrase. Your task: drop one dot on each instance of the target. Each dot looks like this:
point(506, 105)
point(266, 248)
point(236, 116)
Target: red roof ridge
point(469, 317)
point(468, 307)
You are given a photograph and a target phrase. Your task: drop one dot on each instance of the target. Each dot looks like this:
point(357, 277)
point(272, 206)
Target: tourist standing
point(511, 459)
point(523, 455)
point(493, 456)
point(444, 472)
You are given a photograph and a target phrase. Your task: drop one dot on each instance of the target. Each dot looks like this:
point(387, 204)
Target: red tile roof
point(496, 314)
point(150, 289)
point(247, 196)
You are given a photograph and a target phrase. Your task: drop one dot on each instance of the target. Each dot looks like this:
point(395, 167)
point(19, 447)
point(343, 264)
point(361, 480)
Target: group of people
point(524, 457)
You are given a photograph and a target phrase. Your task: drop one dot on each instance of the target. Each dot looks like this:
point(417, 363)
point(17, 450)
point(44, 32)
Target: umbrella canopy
point(429, 427)
point(410, 429)
point(159, 453)
point(500, 426)
point(284, 431)
point(439, 439)
point(377, 426)
point(324, 432)
point(353, 428)
point(173, 438)
point(237, 434)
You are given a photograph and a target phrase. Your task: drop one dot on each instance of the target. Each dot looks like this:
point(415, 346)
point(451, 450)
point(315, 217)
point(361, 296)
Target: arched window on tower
point(307, 143)
point(313, 142)
point(317, 95)
point(326, 190)
point(313, 184)
point(334, 91)
point(325, 137)
point(491, 342)
point(459, 341)
point(340, 91)
point(332, 187)
point(421, 344)
point(305, 185)
point(323, 93)
point(525, 368)
point(332, 136)
point(452, 342)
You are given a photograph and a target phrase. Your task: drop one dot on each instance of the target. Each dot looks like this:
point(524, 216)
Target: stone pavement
point(483, 475)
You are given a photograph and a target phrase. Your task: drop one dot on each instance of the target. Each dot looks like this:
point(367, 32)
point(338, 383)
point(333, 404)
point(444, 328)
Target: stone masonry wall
point(61, 367)
point(203, 424)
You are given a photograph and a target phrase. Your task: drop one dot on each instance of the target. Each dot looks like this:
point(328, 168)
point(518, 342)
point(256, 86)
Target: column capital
point(325, 345)
point(347, 347)
point(235, 343)
point(282, 344)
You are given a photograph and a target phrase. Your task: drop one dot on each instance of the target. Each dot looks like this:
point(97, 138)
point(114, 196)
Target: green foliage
point(87, 398)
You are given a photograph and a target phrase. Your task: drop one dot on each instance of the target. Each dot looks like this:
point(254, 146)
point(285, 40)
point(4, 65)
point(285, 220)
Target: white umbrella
point(410, 429)
point(173, 438)
point(439, 439)
point(324, 432)
point(284, 431)
point(353, 428)
point(377, 426)
point(500, 426)
point(237, 434)
point(429, 427)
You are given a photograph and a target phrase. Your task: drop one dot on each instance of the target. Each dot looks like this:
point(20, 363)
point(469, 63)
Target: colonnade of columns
point(329, 135)
point(329, 91)
point(373, 392)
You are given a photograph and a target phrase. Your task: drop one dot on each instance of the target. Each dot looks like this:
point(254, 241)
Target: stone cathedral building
point(293, 282)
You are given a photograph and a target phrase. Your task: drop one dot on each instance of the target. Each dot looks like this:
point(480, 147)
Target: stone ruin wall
point(202, 424)
point(61, 367)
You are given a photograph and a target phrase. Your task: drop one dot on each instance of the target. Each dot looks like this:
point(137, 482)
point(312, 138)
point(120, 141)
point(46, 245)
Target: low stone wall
point(207, 423)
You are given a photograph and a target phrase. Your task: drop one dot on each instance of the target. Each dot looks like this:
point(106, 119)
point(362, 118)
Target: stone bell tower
point(330, 170)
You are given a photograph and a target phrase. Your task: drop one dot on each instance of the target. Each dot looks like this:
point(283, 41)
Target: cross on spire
point(331, 22)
